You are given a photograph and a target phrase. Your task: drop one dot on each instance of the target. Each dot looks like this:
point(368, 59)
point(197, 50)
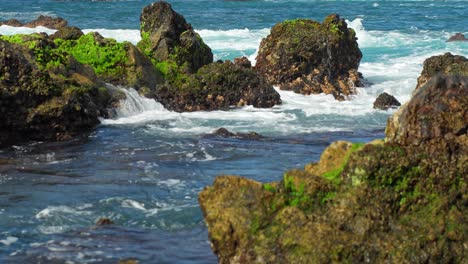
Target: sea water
point(145, 168)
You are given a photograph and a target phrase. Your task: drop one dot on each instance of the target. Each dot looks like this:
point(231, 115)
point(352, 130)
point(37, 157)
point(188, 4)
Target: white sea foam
point(9, 240)
point(9, 30)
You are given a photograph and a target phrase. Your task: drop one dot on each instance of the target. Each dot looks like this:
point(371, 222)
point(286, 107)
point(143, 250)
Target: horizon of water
point(145, 168)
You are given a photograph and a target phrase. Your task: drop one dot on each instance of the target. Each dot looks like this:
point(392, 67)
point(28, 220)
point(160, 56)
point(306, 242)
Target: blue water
point(145, 169)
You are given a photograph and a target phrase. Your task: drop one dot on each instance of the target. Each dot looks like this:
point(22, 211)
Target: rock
point(385, 101)
point(104, 221)
point(67, 33)
point(43, 21)
point(310, 58)
point(447, 64)
point(243, 61)
point(217, 86)
point(46, 95)
point(436, 112)
point(223, 132)
point(457, 37)
point(166, 36)
point(399, 201)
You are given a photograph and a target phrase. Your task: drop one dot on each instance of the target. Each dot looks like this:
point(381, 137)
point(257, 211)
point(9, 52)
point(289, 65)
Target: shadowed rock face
point(167, 36)
point(308, 57)
point(400, 201)
point(385, 101)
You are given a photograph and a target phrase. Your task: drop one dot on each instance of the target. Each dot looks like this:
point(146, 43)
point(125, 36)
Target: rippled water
point(145, 169)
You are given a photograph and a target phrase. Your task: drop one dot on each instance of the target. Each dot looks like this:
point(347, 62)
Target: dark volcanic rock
point(310, 58)
point(104, 221)
point(44, 21)
point(167, 36)
point(385, 101)
point(402, 200)
point(457, 37)
point(223, 132)
point(67, 33)
point(218, 86)
point(41, 100)
point(446, 64)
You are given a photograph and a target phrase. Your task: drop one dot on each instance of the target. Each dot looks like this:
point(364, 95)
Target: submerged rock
point(385, 101)
point(403, 200)
point(446, 64)
point(223, 132)
point(104, 221)
point(308, 57)
point(457, 37)
point(217, 86)
point(43, 21)
point(166, 36)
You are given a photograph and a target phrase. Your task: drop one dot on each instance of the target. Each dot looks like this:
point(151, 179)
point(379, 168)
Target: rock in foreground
point(400, 201)
point(308, 57)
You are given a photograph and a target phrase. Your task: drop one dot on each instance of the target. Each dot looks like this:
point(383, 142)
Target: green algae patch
point(106, 56)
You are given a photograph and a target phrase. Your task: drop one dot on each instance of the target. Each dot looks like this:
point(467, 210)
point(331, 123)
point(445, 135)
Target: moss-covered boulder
point(217, 86)
point(45, 94)
point(309, 57)
point(445, 64)
point(166, 36)
point(382, 202)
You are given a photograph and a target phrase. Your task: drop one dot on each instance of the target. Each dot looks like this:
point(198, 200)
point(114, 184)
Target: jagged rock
point(67, 33)
point(223, 132)
point(437, 112)
point(310, 58)
point(44, 21)
point(243, 61)
point(398, 201)
point(167, 36)
point(218, 86)
point(457, 37)
point(46, 96)
point(385, 101)
point(447, 64)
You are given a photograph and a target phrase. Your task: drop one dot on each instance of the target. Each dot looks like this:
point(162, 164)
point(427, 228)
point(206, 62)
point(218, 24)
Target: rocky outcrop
point(446, 64)
point(385, 101)
point(217, 86)
point(43, 21)
point(46, 96)
point(457, 37)
point(400, 201)
point(166, 36)
point(67, 33)
point(224, 133)
point(243, 61)
point(308, 57)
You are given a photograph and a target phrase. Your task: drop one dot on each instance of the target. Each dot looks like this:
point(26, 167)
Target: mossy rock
point(442, 64)
point(309, 57)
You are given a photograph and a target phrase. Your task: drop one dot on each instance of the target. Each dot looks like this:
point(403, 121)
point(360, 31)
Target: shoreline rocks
point(43, 21)
point(445, 64)
point(224, 133)
point(309, 57)
point(399, 200)
point(457, 37)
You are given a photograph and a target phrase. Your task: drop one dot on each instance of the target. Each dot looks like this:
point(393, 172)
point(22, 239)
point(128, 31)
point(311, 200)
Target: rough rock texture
point(223, 132)
point(308, 57)
point(385, 101)
point(400, 201)
point(167, 36)
point(447, 64)
point(218, 86)
point(67, 33)
point(243, 61)
point(44, 21)
point(46, 96)
point(457, 37)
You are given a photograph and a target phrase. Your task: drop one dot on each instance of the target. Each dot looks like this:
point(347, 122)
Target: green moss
point(295, 194)
point(269, 187)
point(334, 174)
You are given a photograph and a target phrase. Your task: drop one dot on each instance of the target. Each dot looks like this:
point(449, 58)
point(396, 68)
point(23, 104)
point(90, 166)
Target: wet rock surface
point(457, 37)
point(309, 57)
point(224, 133)
point(385, 101)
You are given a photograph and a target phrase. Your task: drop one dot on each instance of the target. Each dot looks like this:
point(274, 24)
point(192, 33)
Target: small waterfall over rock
point(135, 103)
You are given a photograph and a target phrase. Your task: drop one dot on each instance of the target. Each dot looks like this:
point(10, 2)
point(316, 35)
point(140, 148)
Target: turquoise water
point(145, 169)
